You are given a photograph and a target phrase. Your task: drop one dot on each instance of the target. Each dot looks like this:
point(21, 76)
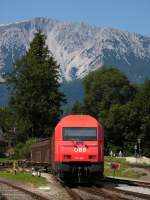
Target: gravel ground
point(143, 170)
point(88, 196)
point(13, 194)
point(54, 190)
point(145, 178)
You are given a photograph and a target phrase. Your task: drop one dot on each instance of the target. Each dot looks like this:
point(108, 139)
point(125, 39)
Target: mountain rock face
point(78, 48)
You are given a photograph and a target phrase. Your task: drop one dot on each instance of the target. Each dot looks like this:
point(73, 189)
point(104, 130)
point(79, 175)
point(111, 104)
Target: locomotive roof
point(78, 120)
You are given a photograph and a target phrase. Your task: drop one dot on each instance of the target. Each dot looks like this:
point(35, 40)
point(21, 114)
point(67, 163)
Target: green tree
point(7, 123)
point(6, 119)
point(141, 110)
point(23, 150)
point(120, 128)
point(35, 96)
point(77, 108)
point(104, 88)
point(107, 96)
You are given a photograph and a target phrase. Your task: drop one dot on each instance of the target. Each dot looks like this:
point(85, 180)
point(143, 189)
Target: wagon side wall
point(41, 152)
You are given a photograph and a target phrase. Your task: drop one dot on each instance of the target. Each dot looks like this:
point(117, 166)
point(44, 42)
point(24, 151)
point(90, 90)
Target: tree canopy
point(104, 88)
point(35, 96)
point(123, 109)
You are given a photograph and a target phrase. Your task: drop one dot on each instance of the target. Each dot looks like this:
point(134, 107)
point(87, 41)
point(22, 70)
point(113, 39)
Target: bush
point(22, 151)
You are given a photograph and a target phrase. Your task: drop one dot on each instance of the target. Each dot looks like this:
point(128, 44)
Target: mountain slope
point(78, 48)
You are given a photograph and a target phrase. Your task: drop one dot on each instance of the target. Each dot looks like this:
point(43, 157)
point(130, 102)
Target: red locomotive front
point(78, 147)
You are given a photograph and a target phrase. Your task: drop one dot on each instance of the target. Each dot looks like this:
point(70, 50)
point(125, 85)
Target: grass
point(24, 178)
point(6, 160)
point(125, 168)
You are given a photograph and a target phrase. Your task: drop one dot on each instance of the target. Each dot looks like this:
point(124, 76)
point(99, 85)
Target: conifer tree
point(35, 97)
point(77, 108)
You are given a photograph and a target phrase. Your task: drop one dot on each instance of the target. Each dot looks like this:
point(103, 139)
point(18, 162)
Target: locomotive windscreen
point(76, 133)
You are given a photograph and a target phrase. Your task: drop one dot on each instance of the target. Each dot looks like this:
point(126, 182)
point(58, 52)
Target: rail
point(10, 191)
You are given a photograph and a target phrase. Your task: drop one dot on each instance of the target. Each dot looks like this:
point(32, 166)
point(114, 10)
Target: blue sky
point(131, 15)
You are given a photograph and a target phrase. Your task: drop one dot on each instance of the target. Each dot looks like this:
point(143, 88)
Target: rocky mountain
point(78, 48)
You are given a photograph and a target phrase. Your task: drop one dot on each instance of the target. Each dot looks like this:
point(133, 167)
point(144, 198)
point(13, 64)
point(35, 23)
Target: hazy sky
point(131, 15)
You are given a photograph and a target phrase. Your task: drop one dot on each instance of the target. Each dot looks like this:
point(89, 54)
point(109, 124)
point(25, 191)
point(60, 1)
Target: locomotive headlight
point(66, 156)
point(92, 156)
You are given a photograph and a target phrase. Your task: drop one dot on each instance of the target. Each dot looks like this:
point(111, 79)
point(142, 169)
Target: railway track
point(108, 189)
point(73, 194)
point(128, 182)
point(95, 193)
point(9, 191)
point(102, 189)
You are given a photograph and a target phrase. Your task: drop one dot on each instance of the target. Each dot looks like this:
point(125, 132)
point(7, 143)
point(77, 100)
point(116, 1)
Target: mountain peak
point(78, 47)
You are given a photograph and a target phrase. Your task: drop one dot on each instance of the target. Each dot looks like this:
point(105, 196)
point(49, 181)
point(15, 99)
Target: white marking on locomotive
point(80, 149)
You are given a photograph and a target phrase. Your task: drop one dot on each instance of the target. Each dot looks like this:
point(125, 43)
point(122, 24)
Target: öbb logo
point(80, 149)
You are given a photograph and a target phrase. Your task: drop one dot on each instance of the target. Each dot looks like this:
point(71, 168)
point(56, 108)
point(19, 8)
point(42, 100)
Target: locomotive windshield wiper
point(75, 139)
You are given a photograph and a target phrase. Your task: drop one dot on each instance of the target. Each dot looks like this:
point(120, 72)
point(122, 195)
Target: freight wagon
point(41, 153)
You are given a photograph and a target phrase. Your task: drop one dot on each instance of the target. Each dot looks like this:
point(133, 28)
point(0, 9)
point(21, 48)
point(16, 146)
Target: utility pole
point(135, 150)
point(139, 146)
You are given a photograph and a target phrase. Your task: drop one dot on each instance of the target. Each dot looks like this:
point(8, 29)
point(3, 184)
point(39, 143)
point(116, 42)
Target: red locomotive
point(75, 149)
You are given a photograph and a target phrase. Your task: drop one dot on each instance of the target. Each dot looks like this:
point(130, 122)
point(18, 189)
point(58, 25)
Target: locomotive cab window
point(76, 133)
